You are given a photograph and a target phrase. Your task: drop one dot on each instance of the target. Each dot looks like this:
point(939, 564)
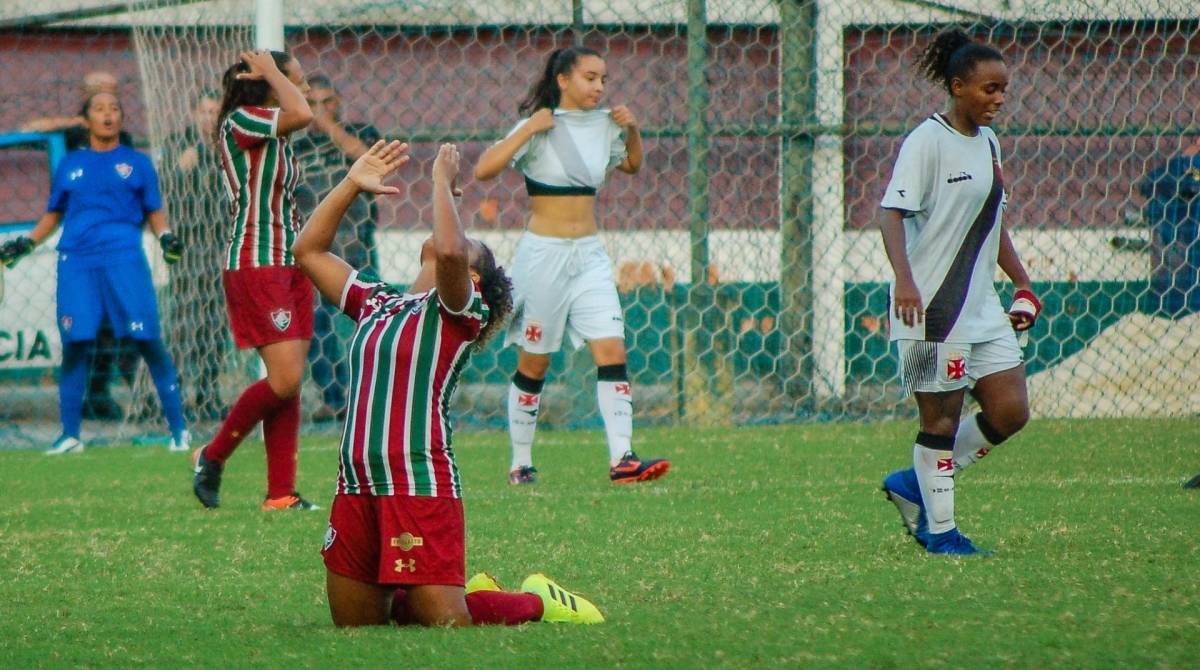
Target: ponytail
point(952, 55)
point(497, 293)
point(545, 92)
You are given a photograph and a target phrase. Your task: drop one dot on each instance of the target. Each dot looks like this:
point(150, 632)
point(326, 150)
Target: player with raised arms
point(102, 195)
point(941, 220)
point(270, 302)
point(395, 547)
point(566, 147)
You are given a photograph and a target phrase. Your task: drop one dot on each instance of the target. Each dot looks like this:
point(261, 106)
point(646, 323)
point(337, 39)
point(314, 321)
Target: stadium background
point(754, 286)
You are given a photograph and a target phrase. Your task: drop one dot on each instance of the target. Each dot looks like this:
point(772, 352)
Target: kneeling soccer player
point(395, 547)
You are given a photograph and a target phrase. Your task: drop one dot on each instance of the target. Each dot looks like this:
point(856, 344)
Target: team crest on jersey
point(533, 332)
point(330, 536)
point(956, 366)
point(124, 169)
point(282, 318)
point(66, 322)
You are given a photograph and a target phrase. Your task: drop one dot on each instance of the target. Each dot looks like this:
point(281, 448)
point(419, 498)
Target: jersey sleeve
point(58, 189)
point(473, 316)
point(518, 158)
point(912, 175)
point(151, 196)
point(616, 146)
point(251, 126)
point(359, 286)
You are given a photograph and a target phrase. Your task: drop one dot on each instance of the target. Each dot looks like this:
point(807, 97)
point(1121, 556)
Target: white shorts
point(562, 286)
point(938, 367)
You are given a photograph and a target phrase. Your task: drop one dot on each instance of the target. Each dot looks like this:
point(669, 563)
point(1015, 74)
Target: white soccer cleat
point(180, 442)
point(65, 445)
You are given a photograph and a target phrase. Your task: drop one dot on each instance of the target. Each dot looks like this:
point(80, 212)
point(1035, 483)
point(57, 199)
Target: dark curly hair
point(240, 92)
point(545, 93)
point(952, 55)
point(497, 293)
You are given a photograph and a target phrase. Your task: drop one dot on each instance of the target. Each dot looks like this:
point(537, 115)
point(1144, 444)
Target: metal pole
point(577, 21)
point(697, 139)
point(268, 24)
point(797, 26)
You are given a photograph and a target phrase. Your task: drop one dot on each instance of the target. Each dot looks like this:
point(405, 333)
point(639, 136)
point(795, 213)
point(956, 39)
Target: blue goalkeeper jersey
point(104, 197)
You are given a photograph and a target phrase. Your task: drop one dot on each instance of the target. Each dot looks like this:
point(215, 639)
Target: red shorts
point(397, 540)
point(268, 304)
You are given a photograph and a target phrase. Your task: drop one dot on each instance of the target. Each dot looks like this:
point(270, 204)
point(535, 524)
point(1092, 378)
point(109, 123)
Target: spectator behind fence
point(192, 184)
point(325, 153)
point(1173, 213)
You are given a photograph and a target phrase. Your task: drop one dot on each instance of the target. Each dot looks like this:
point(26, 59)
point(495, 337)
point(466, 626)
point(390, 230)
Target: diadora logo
point(961, 176)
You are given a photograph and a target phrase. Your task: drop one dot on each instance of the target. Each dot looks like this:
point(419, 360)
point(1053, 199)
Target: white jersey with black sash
point(572, 158)
point(951, 191)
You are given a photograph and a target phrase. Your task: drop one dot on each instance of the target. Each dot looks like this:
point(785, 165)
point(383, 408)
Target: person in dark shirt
point(191, 182)
point(325, 153)
point(1173, 213)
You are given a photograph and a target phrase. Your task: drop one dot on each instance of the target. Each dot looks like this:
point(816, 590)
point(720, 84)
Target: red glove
point(1025, 309)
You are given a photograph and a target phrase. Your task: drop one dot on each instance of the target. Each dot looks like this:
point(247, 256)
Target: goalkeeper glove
point(172, 247)
point(1025, 309)
point(14, 250)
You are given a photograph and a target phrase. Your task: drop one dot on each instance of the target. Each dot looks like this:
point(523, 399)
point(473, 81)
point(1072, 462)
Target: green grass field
point(765, 547)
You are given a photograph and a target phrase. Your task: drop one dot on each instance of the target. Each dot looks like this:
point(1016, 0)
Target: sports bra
point(572, 158)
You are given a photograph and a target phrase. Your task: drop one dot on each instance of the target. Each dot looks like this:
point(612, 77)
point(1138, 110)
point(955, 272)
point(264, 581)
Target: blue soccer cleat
point(953, 543)
point(902, 489)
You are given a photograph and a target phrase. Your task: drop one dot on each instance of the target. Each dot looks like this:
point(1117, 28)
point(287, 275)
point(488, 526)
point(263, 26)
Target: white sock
point(523, 408)
point(616, 407)
point(970, 444)
point(935, 474)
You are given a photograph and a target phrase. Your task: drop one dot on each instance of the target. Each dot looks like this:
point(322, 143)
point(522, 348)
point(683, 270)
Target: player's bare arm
point(908, 306)
point(312, 247)
point(294, 112)
point(633, 139)
point(497, 157)
point(450, 246)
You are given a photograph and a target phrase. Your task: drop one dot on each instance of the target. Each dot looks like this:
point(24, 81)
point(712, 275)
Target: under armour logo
point(136, 326)
point(75, 174)
point(409, 564)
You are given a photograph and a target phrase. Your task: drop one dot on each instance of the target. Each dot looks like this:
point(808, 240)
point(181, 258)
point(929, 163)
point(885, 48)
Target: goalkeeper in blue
point(941, 220)
point(102, 195)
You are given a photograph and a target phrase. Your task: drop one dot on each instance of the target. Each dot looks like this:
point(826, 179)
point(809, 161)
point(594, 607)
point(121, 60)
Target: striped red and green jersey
point(405, 360)
point(260, 178)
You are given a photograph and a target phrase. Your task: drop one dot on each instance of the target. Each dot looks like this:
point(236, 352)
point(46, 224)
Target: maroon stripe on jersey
point(362, 418)
point(397, 435)
point(261, 113)
point(253, 165)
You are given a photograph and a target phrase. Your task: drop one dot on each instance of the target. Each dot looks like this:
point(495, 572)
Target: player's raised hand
point(445, 167)
point(624, 118)
point(260, 63)
point(908, 307)
point(541, 121)
point(381, 160)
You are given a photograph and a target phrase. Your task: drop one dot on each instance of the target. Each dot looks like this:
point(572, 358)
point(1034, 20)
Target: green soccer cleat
point(560, 605)
point(482, 582)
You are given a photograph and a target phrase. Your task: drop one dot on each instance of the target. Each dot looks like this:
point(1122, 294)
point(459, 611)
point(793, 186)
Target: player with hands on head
point(269, 300)
point(566, 147)
point(395, 547)
point(941, 220)
point(102, 196)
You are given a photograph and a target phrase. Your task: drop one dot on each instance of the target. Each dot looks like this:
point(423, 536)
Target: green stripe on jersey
point(238, 162)
point(268, 164)
point(424, 360)
point(358, 345)
point(250, 124)
point(379, 411)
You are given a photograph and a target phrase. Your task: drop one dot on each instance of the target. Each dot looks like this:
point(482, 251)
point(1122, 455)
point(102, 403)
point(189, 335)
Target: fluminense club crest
point(282, 318)
point(124, 169)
